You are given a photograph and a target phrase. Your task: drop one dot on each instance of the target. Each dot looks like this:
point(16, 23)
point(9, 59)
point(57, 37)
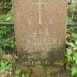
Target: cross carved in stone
point(39, 3)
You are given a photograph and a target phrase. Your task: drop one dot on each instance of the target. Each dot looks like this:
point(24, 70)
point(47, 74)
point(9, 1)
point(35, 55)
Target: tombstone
point(40, 32)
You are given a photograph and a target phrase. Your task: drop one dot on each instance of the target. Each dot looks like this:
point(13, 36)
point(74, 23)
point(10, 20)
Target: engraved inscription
point(45, 40)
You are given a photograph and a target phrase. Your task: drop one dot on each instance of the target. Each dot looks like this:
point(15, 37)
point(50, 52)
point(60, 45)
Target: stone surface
point(40, 31)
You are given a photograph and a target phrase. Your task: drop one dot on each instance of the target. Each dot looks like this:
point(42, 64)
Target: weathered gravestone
point(40, 31)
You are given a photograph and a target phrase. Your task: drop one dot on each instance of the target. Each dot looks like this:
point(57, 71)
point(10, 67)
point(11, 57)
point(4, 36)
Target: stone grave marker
point(40, 31)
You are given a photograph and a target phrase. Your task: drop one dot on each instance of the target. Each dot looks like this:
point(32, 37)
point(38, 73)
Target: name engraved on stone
point(39, 3)
point(41, 32)
point(44, 41)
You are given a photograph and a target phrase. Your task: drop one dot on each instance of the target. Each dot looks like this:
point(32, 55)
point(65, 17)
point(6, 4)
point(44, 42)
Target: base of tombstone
point(44, 71)
point(38, 71)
